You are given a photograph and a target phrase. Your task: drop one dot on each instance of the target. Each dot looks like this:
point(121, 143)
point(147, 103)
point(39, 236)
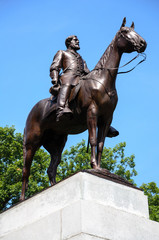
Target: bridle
point(116, 68)
point(139, 54)
point(120, 33)
point(112, 93)
point(136, 48)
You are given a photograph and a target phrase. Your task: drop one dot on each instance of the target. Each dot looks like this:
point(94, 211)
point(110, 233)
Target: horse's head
point(128, 40)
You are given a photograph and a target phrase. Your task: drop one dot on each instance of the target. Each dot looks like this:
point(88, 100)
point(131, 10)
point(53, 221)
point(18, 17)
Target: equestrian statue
point(81, 100)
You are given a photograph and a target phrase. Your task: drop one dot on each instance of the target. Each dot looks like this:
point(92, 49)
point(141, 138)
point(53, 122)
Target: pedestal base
point(83, 206)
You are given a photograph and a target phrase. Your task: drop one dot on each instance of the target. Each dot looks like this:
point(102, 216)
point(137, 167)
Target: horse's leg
point(31, 142)
point(29, 152)
point(103, 129)
point(55, 147)
point(92, 124)
point(51, 170)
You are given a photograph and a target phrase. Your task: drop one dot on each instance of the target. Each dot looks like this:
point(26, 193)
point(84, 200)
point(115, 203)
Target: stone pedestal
point(81, 207)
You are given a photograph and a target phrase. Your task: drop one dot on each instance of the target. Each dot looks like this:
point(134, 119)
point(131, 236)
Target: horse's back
point(38, 108)
point(37, 113)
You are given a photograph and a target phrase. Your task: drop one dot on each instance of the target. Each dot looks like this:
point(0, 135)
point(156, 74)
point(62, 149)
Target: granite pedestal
point(83, 206)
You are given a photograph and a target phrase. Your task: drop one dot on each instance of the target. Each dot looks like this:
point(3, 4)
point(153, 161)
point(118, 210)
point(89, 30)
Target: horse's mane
point(105, 56)
point(101, 64)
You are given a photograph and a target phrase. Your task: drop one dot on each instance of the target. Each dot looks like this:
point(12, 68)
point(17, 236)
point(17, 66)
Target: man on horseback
point(73, 67)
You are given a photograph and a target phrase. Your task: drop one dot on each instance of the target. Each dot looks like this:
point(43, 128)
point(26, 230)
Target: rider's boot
point(61, 107)
point(112, 132)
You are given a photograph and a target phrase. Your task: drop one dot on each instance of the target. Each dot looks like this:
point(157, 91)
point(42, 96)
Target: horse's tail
point(88, 145)
point(24, 147)
point(24, 182)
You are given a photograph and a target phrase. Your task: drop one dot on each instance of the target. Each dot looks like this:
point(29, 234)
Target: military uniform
point(73, 67)
point(71, 63)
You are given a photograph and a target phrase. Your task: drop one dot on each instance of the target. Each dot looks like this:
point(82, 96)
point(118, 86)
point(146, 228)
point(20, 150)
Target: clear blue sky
point(31, 32)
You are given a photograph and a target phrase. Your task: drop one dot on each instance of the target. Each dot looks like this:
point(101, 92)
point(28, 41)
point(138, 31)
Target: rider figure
point(73, 67)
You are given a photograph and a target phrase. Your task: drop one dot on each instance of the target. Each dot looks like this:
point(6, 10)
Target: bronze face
point(74, 44)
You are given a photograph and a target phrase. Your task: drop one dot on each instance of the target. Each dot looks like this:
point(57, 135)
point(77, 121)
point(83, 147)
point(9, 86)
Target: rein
point(112, 93)
point(139, 54)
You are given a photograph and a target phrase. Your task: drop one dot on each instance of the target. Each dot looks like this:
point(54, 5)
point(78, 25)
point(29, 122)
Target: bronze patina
point(91, 107)
point(73, 66)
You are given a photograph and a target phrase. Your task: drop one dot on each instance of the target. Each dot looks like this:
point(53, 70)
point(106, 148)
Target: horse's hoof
point(53, 183)
point(21, 199)
point(94, 165)
point(99, 168)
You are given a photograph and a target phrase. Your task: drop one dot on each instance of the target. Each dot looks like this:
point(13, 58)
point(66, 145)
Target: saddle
point(50, 106)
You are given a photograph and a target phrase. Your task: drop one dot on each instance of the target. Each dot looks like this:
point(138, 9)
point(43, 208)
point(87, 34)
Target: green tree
point(113, 159)
point(73, 160)
point(152, 191)
point(11, 163)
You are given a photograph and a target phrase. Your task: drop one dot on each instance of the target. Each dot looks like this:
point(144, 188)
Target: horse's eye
point(125, 31)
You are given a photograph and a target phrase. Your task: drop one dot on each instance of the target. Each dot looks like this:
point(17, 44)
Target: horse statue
point(92, 108)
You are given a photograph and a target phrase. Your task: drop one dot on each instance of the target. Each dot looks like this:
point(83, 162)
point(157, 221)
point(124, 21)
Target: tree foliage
point(152, 191)
point(73, 160)
point(113, 159)
point(11, 163)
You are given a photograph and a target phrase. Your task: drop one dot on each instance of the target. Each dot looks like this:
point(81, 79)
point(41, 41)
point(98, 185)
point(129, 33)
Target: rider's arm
point(56, 66)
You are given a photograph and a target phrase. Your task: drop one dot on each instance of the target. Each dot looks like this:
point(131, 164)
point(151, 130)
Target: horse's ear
point(132, 25)
point(123, 23)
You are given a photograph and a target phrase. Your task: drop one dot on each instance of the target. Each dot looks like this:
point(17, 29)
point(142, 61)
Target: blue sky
point(31, 32)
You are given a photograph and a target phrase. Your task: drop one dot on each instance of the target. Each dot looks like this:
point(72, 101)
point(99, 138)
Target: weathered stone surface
point(83, 206)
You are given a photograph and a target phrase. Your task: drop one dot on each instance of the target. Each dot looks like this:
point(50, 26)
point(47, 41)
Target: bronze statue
point(92, 103)
point(73, 67)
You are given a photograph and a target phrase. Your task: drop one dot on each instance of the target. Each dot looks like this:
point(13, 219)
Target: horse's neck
point(110, 59)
